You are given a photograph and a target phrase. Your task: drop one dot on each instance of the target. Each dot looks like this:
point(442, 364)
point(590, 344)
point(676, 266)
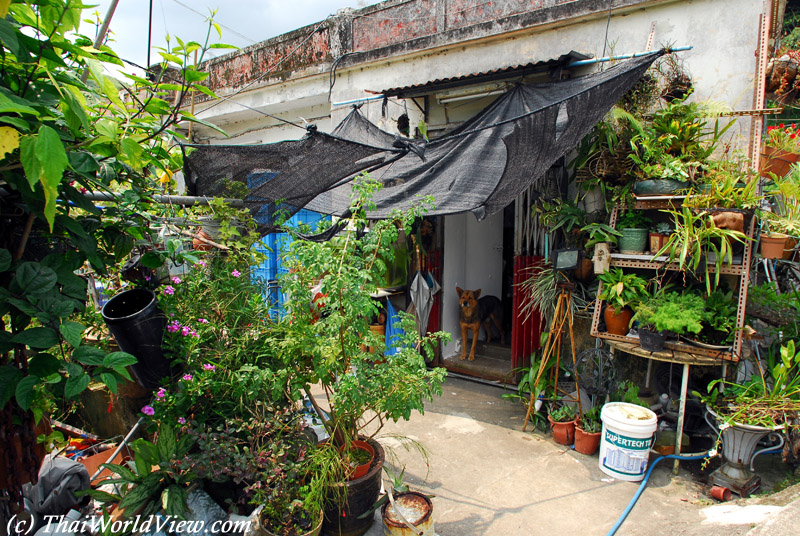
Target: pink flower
point(187, 377)
point(174, 326)
point(148, 410)
point(202, 320)
point(169, 290)
point(236, 273)
point(186, 330)
point(161, 393)
point(147, 278)
point(202, 263)
point(194, 334)
point(210, 367)
point(181, 420)
point(176, 280)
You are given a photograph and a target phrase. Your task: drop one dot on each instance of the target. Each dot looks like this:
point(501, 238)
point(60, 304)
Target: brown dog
point(473, 312)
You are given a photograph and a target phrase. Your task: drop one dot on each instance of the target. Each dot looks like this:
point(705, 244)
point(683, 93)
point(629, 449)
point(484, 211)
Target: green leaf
point(132, 151)
point(37, 338)
point(121, 470)
point(27, 156)
point(222, 45)
point(43, 365)
point(112, 92)
point(89, 355)
point(122, 371)
point(83, 163)
point(166, 442)
point(119, 359)
point(53, 161)
point(36, 279)
point(76, 384)
point(193, 119)
point(110, 380)
point(25, 391)
point(6, 344)
point(8, 105)
point(72, 332)
point(107, 128)
point(146, 451)
point(24, 306)
point(16, 122)
point(173, 500)
point(151, 260)
point(192, 75)
point(9, 377)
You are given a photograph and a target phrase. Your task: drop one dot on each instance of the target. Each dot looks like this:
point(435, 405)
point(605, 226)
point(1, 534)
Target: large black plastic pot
point(137, 324)
point(652, 341)
point(361, 496)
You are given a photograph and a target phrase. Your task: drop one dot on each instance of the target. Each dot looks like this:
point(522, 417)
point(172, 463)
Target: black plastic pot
point(137, 324)
point(652, 341)
point(361, 496)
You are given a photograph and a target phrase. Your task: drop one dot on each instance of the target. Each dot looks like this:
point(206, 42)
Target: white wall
point(473, 259)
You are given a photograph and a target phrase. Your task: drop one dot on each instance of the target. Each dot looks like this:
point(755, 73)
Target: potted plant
point(326, 341)
point(675, 312)
point(620, 291)
point(730, 196)
point(782, 220)
point(633, 226)
point(695, 240)
point(659, 235)
point(562, 419)
point(672, 148)
point(403, 509)
point(780, 150)
point(745, 413)
point(587, 431)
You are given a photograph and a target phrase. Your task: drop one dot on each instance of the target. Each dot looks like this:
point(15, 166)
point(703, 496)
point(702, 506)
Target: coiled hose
point(639, 491)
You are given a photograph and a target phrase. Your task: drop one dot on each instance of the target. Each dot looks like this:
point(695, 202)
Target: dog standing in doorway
point(475, 311)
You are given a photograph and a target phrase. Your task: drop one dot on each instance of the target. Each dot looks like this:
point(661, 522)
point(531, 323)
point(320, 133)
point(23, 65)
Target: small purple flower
point(202, 263)
point(174, 326)
point(186, 330)
point(147, 278)
point(161, 393)
point(236, 273)
point(209, 366)
point(148, 410)
point(187, 377)
point(194, 334)
point(169, 289)
point(202, 320)
point(176, 280)
point(181, 420)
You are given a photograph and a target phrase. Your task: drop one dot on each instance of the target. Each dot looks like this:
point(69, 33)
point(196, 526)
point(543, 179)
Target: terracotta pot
point(361, 470)
point(617, 323)
point(656, 242)
point(586, 442)
point(776, 161)
point(721, 493)
point(773, 245)
point(788, 250)
point(563, 432)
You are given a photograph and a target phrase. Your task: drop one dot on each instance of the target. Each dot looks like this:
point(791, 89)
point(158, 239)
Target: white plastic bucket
point(628, 433)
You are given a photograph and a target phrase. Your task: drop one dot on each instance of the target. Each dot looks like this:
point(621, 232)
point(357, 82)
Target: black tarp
point(479, 167)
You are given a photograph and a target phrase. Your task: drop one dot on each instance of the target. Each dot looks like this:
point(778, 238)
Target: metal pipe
point(119, 448)
point(184, 200)
point(101, 34)
point(355, 101)
point(624, 56)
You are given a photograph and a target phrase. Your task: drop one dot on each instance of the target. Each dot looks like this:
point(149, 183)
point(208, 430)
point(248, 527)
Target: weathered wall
point(405, 42)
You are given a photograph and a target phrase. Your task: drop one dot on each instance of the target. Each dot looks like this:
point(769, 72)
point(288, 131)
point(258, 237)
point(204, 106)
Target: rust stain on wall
point(394, 24)
point(463, 13)
point(270, 59)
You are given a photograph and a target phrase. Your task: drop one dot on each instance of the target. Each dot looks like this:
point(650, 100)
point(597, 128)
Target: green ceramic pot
point(658, 187)
point(633, 240)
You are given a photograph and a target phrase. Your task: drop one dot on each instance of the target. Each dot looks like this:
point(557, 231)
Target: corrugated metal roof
point(486, 76)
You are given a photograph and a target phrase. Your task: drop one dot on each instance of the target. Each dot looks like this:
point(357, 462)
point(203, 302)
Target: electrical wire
point(193, 10)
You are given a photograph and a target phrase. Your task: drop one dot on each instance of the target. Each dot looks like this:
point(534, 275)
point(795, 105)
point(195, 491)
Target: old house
point(442, 62)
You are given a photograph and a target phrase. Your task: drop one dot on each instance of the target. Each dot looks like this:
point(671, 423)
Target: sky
point(243, 22)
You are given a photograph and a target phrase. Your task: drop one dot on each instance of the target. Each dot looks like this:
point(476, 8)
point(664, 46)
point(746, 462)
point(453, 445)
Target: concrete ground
point(490, 478)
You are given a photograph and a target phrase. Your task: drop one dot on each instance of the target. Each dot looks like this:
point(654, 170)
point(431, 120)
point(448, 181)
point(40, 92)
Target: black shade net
point(479, 167)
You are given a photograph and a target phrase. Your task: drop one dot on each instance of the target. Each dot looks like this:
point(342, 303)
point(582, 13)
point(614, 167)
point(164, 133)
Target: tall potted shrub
point(325, 338)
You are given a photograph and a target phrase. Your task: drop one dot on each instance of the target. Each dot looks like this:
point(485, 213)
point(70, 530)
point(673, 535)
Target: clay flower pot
point(563, 432)
point(586, 442)
point(773, 245)
point(776, 161)
point(360, 470)
point(617, 322)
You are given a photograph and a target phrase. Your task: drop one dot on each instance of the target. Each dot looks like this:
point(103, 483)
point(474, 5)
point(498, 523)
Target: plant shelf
point(648, 262)
point(674, 352)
